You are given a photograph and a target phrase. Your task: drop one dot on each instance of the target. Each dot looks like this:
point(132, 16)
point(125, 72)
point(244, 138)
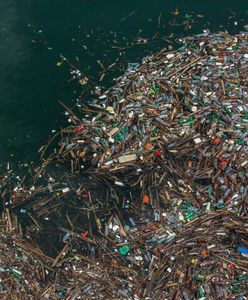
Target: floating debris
point(147, 189)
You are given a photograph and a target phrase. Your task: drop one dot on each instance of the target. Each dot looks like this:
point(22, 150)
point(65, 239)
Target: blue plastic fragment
point(66, 237)
point(243, 250)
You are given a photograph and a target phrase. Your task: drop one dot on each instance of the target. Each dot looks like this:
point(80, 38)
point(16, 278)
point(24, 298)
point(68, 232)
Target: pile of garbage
point(146, 193)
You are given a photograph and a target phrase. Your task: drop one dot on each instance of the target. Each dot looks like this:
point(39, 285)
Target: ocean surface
point(92, 35)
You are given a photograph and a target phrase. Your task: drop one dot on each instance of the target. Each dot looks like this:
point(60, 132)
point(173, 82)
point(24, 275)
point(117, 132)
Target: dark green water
point(33, 34)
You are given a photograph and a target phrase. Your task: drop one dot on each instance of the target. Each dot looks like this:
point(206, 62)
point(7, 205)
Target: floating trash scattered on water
point(147, 188)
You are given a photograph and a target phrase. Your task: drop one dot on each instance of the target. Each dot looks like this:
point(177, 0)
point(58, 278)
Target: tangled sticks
point(150, 200)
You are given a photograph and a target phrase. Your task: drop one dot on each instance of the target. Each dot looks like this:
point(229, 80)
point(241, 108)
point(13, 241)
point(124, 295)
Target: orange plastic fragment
point(82, 154)
point(217, 140)
point(146, 198)
point(148, 146)
point(204, 252)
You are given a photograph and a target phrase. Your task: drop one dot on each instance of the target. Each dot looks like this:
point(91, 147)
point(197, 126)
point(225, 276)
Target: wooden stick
point(70, 111)
point(60, 255)
point(186, 67)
